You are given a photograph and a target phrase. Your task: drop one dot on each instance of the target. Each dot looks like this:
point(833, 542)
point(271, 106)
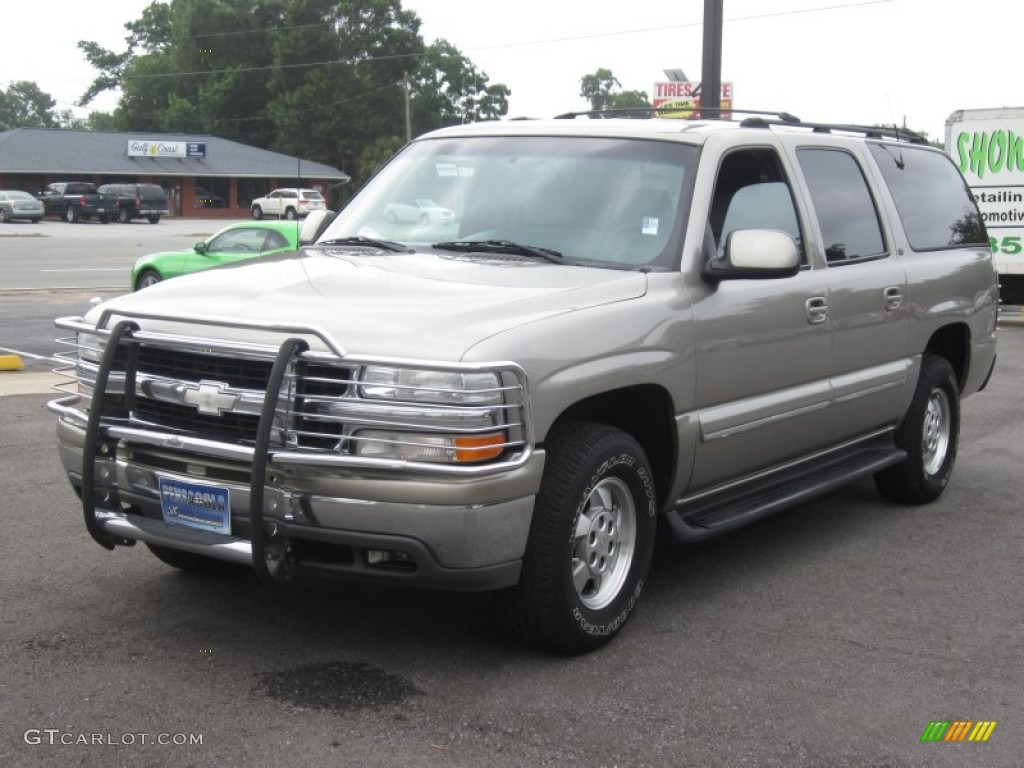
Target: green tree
point(321, 79)
point(193, 66)
point(602, 90)
point(332, 111)
point(25, 105)
point(447, 89)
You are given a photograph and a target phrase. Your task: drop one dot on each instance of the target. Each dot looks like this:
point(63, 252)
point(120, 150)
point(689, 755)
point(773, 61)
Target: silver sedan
point(15, 204)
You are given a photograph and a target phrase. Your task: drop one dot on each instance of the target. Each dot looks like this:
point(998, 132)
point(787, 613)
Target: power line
point(498, 46)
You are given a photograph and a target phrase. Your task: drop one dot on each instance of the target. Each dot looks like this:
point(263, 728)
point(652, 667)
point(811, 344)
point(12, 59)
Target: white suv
point(288, 203)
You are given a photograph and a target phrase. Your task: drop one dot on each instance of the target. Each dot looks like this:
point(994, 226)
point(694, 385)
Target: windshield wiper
point(501, 246)
point(368, 242)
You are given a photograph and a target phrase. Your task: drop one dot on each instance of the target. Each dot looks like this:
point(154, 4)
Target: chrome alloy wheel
point(935, 432)
point(604, 543)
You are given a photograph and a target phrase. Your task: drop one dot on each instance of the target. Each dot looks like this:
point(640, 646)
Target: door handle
point(893, 298)
point(817, 310)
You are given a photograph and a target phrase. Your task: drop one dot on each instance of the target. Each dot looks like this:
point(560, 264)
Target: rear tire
point(189, 561)
point(71, 215)
point(290, 214)
point(929, 434)
point(123, 217)
point(591, 541)
point(154, 219)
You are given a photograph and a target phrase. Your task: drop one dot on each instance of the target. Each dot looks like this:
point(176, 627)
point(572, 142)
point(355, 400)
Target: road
point(54, 268)
point(53, 254)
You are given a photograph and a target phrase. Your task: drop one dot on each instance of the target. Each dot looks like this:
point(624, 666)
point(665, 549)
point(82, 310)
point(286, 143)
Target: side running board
point(712, 514)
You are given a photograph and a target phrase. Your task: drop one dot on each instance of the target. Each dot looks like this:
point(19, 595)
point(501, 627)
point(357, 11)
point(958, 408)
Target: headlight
point(415, 385)
point(90, 352)
point(90, 347)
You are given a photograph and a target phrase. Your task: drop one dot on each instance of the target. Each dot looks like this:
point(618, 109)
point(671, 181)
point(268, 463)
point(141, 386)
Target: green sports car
point(244, 240)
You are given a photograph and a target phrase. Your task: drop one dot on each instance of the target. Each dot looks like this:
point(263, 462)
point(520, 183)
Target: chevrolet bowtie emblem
point(209, 397)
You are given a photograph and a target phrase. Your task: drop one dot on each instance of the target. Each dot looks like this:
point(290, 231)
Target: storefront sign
point(140, 148)
point(682, 100)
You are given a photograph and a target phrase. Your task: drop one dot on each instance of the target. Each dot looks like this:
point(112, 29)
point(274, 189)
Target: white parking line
point(90, 269)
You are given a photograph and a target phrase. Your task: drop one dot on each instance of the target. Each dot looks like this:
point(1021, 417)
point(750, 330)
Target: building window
point(212, 192)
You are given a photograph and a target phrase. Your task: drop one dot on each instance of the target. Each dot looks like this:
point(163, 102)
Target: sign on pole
point(682, 100)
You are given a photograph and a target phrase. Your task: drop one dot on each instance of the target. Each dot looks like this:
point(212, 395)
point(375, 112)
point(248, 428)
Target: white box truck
point(988, 147)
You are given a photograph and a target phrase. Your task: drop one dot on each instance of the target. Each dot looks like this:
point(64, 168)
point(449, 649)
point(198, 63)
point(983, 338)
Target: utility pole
point(711, 68)
point(408, 111)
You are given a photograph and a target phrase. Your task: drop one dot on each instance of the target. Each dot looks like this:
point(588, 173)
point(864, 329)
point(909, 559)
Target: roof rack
point(868, 131)
point(757, 120)
point(656, 111)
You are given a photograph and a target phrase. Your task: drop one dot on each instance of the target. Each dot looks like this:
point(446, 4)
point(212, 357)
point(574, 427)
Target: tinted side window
point(274, 240)
point(932, 198)
point(843, 204)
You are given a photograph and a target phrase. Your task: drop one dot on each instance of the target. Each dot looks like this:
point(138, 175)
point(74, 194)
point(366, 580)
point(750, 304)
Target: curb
point(11, 363)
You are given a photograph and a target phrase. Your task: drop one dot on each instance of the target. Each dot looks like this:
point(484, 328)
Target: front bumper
point(445, 533)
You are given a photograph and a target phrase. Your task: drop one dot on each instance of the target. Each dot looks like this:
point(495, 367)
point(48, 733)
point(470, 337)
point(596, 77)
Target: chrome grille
point(170, 363)
point(333, 410)
point(230, 427)
point(313, 383)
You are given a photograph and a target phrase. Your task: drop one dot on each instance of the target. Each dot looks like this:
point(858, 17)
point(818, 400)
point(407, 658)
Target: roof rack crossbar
point(655, 111)
point(759, 119)
point(868, 131)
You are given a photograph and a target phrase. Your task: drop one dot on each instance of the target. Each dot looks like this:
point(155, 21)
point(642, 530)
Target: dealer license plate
point(204, 507)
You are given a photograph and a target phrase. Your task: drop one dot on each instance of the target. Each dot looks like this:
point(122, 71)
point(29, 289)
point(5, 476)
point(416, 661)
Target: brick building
point(203, 175)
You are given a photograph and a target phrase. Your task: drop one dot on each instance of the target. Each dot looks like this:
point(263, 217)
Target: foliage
point(601, 89)
point(375, 154)
point(24, 105)
point(447, 90)
point(321, 79)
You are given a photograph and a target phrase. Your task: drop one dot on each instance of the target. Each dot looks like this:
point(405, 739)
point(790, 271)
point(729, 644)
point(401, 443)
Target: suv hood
point(420, 306)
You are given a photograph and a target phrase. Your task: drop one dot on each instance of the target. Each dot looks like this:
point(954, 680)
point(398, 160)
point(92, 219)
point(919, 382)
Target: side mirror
point(312, 225)
point(755, 254)
point(199, 247)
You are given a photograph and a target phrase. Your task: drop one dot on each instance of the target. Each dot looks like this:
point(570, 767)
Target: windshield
point(602, 202)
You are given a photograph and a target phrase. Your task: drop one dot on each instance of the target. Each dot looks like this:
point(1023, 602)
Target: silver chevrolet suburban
point(601, 329)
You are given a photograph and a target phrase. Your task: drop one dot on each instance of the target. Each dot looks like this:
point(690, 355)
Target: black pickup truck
point(76, 201)
point(137, 201)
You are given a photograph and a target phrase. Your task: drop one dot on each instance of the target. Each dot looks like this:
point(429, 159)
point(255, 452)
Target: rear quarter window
point(933, 201)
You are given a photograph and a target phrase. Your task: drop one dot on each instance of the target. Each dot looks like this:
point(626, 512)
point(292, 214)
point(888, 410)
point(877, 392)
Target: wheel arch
point(643, 411)
point(953, 342)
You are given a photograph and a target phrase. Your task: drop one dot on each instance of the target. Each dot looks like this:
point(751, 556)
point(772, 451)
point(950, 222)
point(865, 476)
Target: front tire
point(3, 216)
point(590, 544)
point(154, 219)
point(929, 434)
point(257, 212)
point(147, 278)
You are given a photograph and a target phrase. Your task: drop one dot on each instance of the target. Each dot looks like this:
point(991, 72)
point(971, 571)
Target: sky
point(848, 61)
